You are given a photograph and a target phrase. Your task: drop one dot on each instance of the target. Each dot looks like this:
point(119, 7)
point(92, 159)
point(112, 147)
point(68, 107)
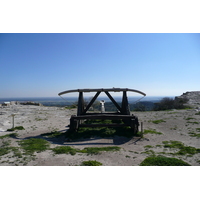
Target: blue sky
point(42, 65)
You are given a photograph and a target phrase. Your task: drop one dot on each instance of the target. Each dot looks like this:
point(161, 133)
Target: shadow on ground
point(60, 138)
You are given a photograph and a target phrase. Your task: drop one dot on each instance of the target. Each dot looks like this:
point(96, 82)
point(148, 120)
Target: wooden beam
point(125, 106)
point(80, 104)
point(91, 102)
point(103, 116)
point(102, 125)
point(114, 102)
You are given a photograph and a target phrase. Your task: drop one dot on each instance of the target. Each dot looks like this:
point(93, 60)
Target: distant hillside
point(191, 98)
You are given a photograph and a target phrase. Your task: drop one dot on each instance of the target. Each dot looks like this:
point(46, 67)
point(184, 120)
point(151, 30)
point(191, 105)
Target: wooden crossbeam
point(102, 125)
point(114, 102)
point(91, 102)
point(103, 116)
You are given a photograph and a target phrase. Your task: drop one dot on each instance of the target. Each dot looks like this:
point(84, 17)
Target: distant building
point(6, 104)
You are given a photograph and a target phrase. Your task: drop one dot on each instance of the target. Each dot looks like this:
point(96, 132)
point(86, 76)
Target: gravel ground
point(174, 125)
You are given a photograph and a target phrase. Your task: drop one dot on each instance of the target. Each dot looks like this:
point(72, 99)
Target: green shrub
point(183, 150)
point(91, 163)
point(162, 161)
point(169, 103)
point(12, 135)
point(16, 128)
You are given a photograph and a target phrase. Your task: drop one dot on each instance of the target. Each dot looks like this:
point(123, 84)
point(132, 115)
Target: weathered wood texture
point(123, 113)
point(128, 120)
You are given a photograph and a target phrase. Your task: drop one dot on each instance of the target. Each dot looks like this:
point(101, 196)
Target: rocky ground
point(175, 125)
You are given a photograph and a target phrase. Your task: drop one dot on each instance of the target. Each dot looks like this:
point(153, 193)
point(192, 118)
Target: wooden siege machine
point(122, 114)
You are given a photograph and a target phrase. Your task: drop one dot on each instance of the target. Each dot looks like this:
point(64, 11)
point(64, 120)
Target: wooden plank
point(104, 117)
point(107, 113)
point(102, 125)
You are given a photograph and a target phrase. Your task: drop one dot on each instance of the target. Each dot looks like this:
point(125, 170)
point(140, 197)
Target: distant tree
point(139, 107)
point(165, 104)
point(169, 103)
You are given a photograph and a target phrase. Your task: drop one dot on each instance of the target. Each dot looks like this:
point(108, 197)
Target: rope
point(70, 103)
point(138, 99)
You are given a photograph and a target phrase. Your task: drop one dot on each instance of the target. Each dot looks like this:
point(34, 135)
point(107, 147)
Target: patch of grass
point(149, 152)
point(91, 163)
point(87, 132)
point(34, 145)
point(158, 121)
point(5, 143)
point(4, 150)
point(172, 144)
point(96, 150)
point(12, 135)
point(162, 161)
point(40, 119)
point(193, 122)
point(54, 134)
point(158, 145)
point(16, 128)
point(148, 146)
point(183, 150)
point(192, 134)
point(152, 131)
point(172, 112)
point(197, 113)
point(16, 152)
point(189, 118)
point(64, 150)
point(88, 150)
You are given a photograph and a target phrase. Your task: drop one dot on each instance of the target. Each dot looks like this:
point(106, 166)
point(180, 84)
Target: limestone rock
point(190, 98)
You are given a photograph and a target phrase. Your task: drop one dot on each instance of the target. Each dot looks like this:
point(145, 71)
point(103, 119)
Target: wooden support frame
point(114, 102)
point(124, 109)
point(122, 114)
